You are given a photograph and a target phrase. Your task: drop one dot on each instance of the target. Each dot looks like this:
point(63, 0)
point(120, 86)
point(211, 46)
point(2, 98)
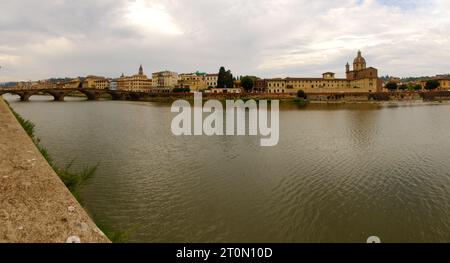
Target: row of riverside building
point(360, 78)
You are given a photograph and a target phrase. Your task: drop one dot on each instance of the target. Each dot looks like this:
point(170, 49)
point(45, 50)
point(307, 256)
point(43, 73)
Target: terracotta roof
point(318, 79)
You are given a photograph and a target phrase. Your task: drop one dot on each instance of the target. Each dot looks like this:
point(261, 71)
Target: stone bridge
point(59, 94)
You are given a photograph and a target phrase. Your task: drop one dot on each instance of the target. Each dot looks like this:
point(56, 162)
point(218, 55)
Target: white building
point(113, 84)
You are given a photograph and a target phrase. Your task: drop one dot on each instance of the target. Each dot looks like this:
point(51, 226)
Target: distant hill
point(66, 79)
point(408, 79)
point(8, 84)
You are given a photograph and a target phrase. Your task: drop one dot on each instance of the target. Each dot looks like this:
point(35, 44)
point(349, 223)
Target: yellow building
point(276, 85)
point(138, 82)
point(45, 84)
point(211, 80)
point(444, 82)
point(24, 85)
point(193, 81)
point(360, 79)
point(164, 80)
point(95, 82)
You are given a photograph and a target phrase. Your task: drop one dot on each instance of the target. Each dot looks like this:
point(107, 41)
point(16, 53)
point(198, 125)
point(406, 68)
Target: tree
point(391, 86)
point(247, 83)
point(229, 80)
point(417, 87)
point(301, 94)
point(221, 78)
point(403, 87)
point(225, 79)
point(432, 84)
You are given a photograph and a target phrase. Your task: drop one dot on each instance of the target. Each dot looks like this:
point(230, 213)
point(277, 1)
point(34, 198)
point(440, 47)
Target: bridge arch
point(115, 95)
point(58, 95)
point(24, 95)
point(10, 92)
point(92, 94)
point(96, 94)
point(76, 94)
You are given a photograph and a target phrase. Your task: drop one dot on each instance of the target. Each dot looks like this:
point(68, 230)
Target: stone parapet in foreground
point(35, 205)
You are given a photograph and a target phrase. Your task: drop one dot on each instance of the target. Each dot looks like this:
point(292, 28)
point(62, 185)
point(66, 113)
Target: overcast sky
point(267, 38)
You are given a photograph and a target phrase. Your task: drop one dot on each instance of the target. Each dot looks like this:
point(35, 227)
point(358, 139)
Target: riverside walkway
point(35, 205)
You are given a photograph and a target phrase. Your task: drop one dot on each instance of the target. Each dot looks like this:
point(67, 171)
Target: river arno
point(341, 173)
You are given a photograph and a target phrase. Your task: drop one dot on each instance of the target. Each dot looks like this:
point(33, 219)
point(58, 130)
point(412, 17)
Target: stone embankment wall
point(318, 97)
point(35, 205)
point(366, 97)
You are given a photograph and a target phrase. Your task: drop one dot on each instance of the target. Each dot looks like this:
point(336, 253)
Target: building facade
point(113, 84)
point(164, 80)
point(95, 82)
point(138, 82)
point(211, 80)
point(43, 84)
point(444, 83)
point(73, 84)
point(193, 81)
point(359, 79)
point(260, 85)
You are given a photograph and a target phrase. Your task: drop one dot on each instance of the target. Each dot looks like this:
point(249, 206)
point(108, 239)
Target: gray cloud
point(41, 39)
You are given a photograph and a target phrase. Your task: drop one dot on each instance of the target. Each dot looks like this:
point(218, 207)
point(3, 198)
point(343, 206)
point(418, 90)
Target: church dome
point(359, 63)
point(359, 59)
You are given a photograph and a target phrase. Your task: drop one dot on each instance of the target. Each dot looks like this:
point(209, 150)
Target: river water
point(340, 173)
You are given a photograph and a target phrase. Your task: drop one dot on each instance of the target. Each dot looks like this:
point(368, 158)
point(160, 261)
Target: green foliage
point(225, 79)
point(391, 86)
point(181, 90)
point(45, 153)
point(432, 84)
point(301, 102)
point(221, 78)
point(403, 87)
point(301, 94)
point(75, 180)
point(412, 79)
point(247, 83)
point(417, 87)
point(114, 236)
point(27, 125)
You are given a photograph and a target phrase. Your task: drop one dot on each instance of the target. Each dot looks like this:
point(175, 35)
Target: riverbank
point(35, 205)
point(378, 98)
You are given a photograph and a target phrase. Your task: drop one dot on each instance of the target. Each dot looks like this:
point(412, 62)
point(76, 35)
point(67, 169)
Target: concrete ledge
point(35, 205)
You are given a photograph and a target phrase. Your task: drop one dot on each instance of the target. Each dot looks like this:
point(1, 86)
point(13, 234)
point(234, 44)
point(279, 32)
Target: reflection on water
point(341, 173)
